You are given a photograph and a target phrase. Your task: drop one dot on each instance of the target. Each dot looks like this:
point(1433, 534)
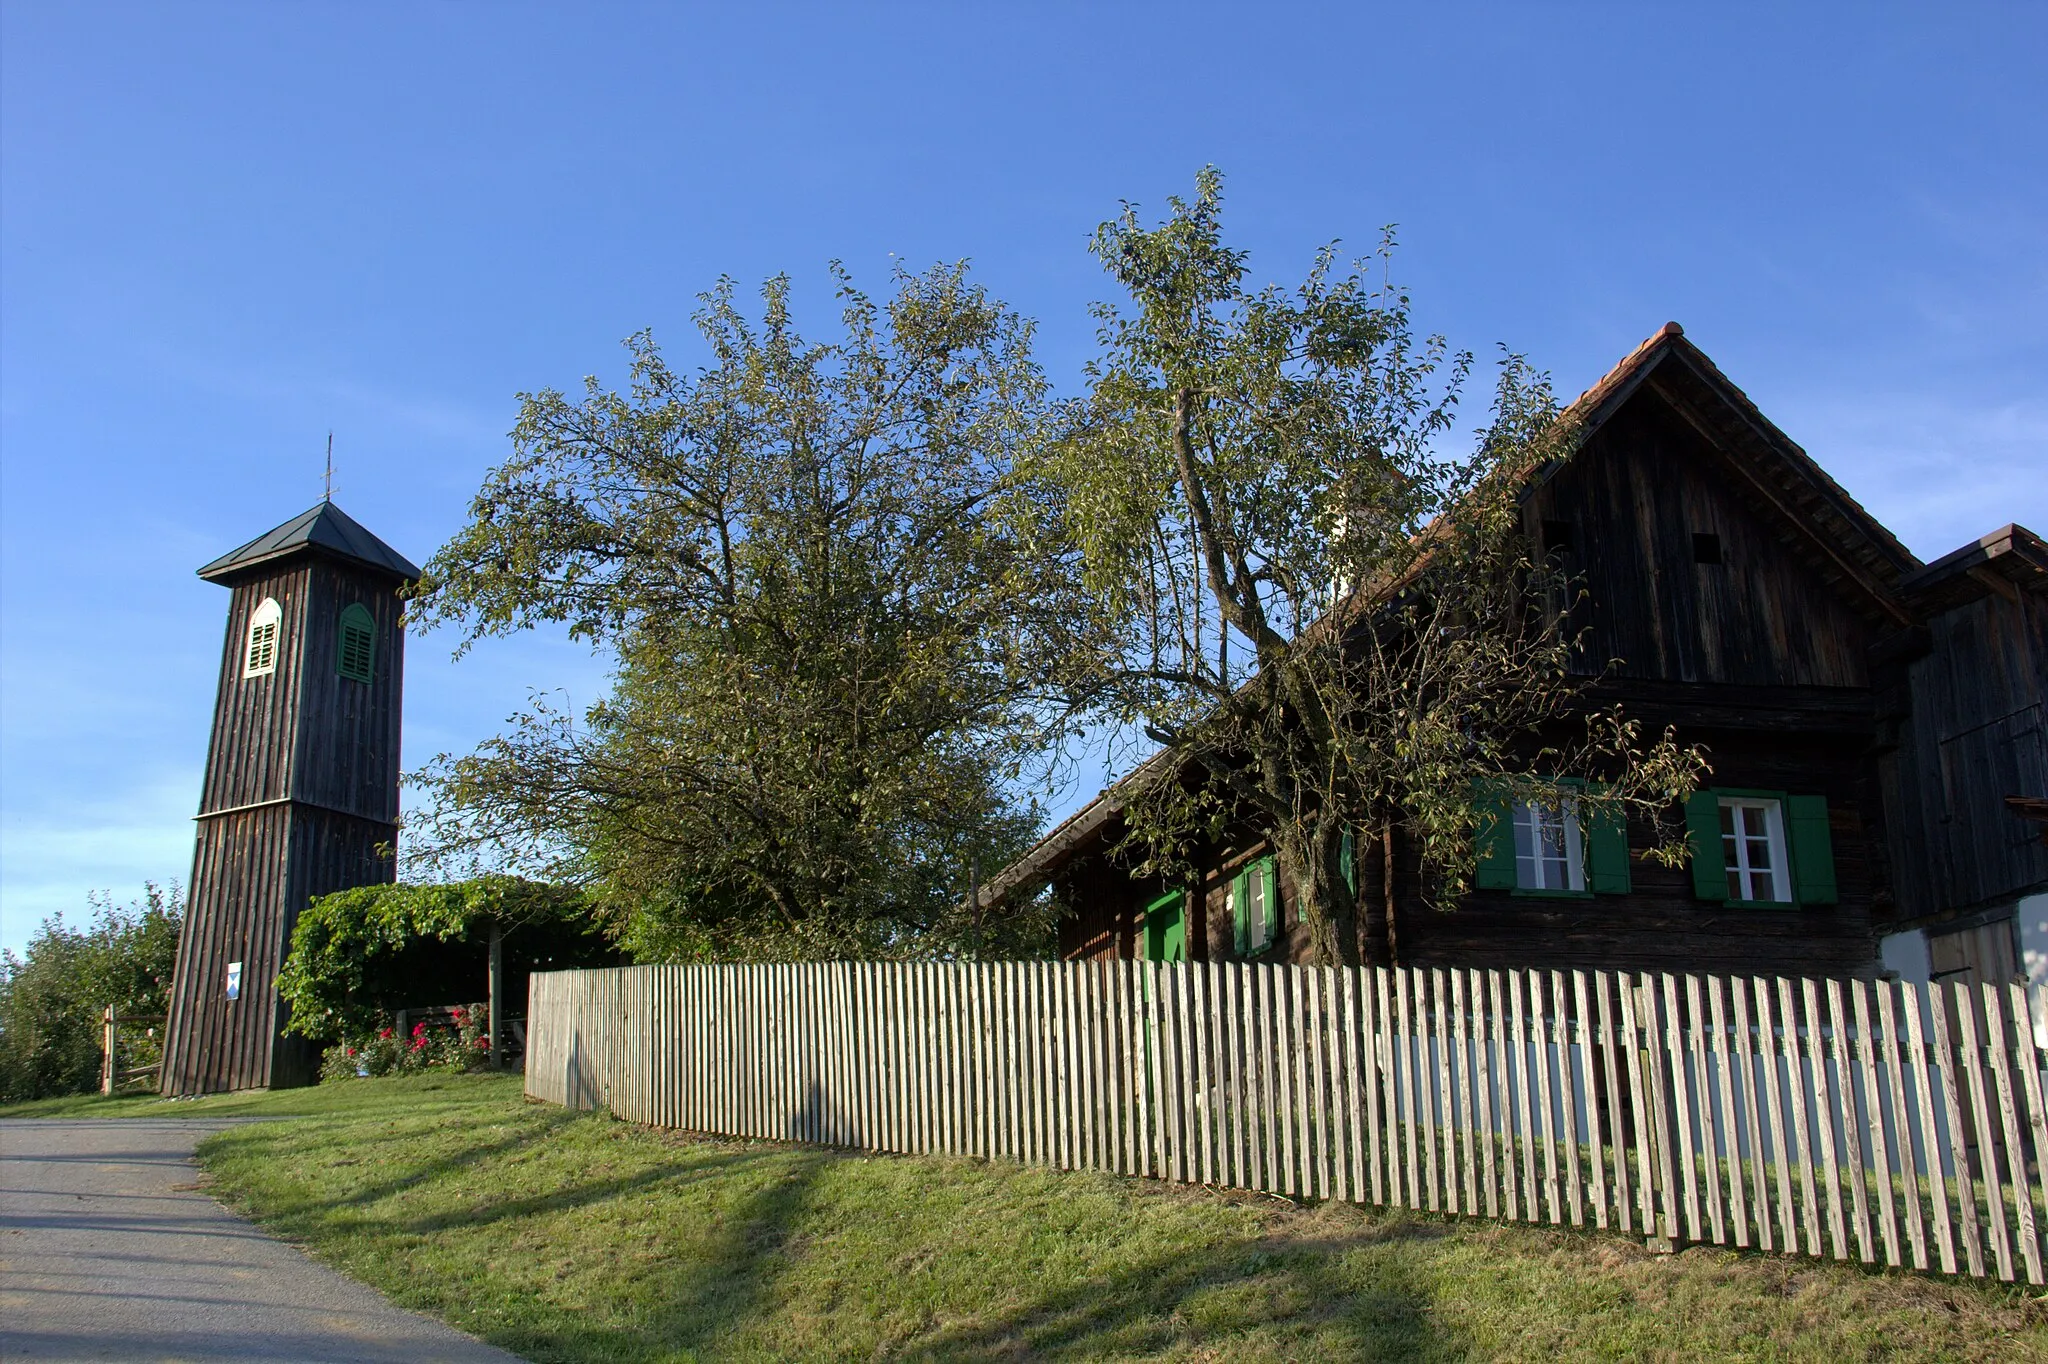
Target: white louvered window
point(260, 655)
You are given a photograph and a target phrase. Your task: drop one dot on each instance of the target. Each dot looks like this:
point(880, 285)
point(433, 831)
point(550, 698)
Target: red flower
point(384, 1032)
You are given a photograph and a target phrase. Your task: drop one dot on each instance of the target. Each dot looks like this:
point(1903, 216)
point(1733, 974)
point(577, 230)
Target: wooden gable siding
point(1633, 500)
point(1970, 729)
point(348, 750)
point(250, 753)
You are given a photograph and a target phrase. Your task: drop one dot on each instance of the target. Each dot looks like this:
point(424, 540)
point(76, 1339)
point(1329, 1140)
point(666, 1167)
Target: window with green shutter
point(1551, 847)
point(1255, 907)
point(355, 651)
point(1766, 849)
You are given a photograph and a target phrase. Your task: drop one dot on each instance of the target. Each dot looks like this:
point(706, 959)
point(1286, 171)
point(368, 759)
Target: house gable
point(1645, 500)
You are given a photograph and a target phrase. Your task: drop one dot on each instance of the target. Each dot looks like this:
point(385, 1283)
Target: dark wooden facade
point(1752, 604)
point(300, 795)
point(1963, 706)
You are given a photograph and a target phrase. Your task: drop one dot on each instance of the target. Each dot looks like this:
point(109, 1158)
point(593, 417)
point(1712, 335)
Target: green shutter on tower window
point(1813, 850)
point(1703, 834)
point(1607, 869)
point(1347, 861)
point(1273, 915)
point(355, 645)
point(1494, 841)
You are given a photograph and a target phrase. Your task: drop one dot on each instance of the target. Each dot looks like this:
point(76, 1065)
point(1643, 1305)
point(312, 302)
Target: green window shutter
point(1813, 850)
point(355, 646)
point(1241, 913)
point(1607, 870)
point(1494, 842)
point(1703, 832)
point(1347, 862)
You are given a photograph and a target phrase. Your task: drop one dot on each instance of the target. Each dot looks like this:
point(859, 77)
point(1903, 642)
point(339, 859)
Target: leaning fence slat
point(1589, 1053)
point(1482, 1081)
point(1357, 1097)
point(1999, 1056)
point(1701, 1084)
point(1525, 1093)
point(1458, 1084)
point(1730, 1164)
point(1562, 1028)
point(1867, 1067)
point(1930, 1134)
point(1431, 1058)
point(2029, 1067)
point(1796, 1087)
point(1677, 1033)
point(1844, 1105)
point(1987, 1142)
point(1745, 1060)
point(1389, 1088)
point(1617, 1123)
point(1498, 1026)
point(1895, 1079)
point(1958, 1145)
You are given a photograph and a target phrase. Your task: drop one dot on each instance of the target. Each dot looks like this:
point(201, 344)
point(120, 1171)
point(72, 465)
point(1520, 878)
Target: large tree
point(831, 660)
point(1300, 586)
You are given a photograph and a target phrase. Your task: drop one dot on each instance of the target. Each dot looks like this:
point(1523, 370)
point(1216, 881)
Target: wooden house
point(1963, 758)
point(1753, 605)
point(301, 786)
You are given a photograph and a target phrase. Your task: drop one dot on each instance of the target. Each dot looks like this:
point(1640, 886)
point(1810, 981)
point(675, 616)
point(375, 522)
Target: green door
point(1166, 928)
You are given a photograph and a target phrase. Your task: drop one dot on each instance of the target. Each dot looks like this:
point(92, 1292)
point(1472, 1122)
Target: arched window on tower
point(355, 651)
point(260, 656)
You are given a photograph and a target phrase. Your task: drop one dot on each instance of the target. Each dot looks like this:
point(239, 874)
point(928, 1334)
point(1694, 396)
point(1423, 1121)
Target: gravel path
point(108, 1251)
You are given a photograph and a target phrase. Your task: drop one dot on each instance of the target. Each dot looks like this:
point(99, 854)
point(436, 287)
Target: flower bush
point(453, 1041)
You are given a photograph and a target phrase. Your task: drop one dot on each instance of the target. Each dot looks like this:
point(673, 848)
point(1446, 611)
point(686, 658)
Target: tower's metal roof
point(326, 528)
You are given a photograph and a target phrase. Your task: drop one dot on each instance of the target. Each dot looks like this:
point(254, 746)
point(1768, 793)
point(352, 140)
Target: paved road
point(107, 1252)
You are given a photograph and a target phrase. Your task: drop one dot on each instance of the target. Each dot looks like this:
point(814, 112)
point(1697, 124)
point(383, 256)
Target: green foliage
point(359, 954)
point(1332, 618)
point(52, 1000)
point(832, 663)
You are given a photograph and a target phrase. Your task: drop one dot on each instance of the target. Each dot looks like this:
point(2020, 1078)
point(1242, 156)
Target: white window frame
point(260, 644)
point(1534, 870)
point(1745, 880)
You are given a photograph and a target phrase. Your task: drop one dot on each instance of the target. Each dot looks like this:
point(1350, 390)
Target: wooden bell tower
point(301, 789)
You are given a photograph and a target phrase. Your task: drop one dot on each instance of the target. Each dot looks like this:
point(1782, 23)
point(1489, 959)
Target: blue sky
point(226, 230)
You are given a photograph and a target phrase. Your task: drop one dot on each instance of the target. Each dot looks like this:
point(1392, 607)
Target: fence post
point(497, 990)
point(110, 1064)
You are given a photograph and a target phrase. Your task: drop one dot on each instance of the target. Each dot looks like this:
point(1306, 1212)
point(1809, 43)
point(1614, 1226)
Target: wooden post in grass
point(110, 1065)
point(497, 984)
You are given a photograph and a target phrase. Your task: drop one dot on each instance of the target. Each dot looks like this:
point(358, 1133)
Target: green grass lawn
point(567, 1236)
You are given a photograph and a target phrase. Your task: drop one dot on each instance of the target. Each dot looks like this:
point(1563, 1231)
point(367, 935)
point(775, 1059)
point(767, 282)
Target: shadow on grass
point(536, 1129)
point(1279, 1298)
point(736, 1271)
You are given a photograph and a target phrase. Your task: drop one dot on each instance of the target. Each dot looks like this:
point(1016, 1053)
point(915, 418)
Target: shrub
point(462, 1045)
point(52, 999)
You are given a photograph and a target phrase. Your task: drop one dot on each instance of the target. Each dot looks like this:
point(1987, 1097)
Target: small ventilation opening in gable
point(1557, 537)
point(1706, 548)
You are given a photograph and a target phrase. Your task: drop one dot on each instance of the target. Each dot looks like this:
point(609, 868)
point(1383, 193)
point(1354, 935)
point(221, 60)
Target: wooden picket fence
point(1880, 1122)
